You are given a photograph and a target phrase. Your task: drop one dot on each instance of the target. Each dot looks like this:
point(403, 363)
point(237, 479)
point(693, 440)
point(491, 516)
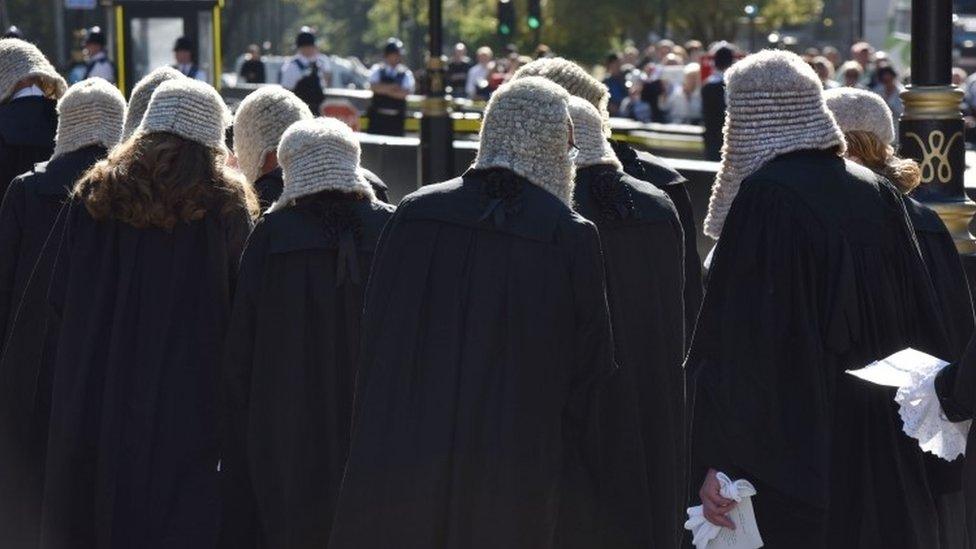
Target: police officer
point(309, 73)
point(185, 63)
point(97, 63)
point(391, 82)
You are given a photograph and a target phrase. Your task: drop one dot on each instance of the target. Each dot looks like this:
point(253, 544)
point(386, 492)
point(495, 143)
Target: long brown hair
point(873, 153)
point(161, 179)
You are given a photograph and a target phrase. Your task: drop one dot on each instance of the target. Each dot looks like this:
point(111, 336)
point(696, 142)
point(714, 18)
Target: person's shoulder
point(29, 121)
point(21, 184)
point(658, 172)
point(861, 174)
point(433, 192)
point(828, 186)
point(434, 201)
point(652, 203)
point(377, 209)
point(923, 218)
point(25, 107)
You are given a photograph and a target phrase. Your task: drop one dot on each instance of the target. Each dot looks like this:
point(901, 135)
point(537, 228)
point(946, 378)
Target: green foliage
point(779, 13)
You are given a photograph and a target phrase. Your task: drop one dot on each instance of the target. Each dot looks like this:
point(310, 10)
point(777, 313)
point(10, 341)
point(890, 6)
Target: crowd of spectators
point(478, 78)
point(663, 82)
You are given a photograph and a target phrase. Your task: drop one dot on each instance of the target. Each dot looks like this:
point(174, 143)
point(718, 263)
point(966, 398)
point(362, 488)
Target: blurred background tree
point(583, 29)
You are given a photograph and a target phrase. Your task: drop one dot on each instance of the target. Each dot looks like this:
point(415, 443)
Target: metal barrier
point(671, 140)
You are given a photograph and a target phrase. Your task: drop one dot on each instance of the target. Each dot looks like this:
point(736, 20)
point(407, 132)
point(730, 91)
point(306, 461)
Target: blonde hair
point(868, 149)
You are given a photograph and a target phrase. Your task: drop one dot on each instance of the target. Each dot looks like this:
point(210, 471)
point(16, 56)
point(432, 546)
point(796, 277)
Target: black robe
point(487, 339)
point(647, 167)
point(817, 272)
point(268, 188)
point(138, 321)
point(28, 212)
point(270, 185)
point(27, 128)
point(956, 309)
point(380, 189)
point(642, 244)
point(27, 219)
point(956, 388)
point(288, 380)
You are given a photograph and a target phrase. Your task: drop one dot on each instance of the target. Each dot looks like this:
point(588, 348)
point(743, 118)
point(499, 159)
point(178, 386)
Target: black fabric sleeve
point(757, 364)
point(11, 226)
point(372, 308)
point(956, 386)
point(603, 415)
point(593, 341)
point(237, 229)
point(693, 288)
point(239, 522)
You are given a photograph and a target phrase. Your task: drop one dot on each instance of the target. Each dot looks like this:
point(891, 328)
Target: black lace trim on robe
point(613, 200)
point(501, 193)
point(342, 228)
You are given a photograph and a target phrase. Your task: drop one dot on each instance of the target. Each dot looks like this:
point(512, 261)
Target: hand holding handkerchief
point(913, 373)
point(706, 535)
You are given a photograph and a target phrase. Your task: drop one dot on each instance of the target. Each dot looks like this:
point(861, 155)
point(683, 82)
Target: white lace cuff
point(923, 419)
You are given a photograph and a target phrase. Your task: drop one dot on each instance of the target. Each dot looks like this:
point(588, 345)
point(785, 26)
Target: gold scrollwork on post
point(935, 162)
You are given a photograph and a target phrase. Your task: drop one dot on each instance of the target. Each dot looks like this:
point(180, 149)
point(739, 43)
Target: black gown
point(138, 322)
point(270, 185)
point(956, 309)
point(288, 379)
point(642, 244)
point(27, 220)
point(817, 272)
point(268, 188)
point(647, 167)
point(27, 128)
point(488, 341)
point(956, 387)
point(32, 203)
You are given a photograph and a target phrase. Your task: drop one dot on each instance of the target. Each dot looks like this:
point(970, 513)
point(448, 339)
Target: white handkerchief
point(706, 535)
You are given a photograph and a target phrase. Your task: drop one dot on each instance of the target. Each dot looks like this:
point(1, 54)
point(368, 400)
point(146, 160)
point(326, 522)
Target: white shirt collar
point(29, 91)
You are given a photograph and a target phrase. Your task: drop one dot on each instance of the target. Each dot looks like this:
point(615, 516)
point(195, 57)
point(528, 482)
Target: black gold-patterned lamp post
point(436, 129)
point(931, 129)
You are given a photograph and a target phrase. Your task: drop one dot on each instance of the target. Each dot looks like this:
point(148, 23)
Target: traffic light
point(534, 20)
point(506, 17)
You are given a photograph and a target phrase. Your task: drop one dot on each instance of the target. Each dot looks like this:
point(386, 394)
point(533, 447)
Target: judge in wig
point(816, 272)
point(868, 128)
point(140, 300)
point(487, 343)
point(89, 124)
point(294, 340)
point(642, 252)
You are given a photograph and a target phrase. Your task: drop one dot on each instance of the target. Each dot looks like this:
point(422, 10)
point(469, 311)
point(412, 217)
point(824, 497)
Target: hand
point(714, 506)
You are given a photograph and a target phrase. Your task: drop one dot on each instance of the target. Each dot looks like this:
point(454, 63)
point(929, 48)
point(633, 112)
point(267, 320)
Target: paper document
point(914, 373)
point(746, 533)
point(902, 369)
